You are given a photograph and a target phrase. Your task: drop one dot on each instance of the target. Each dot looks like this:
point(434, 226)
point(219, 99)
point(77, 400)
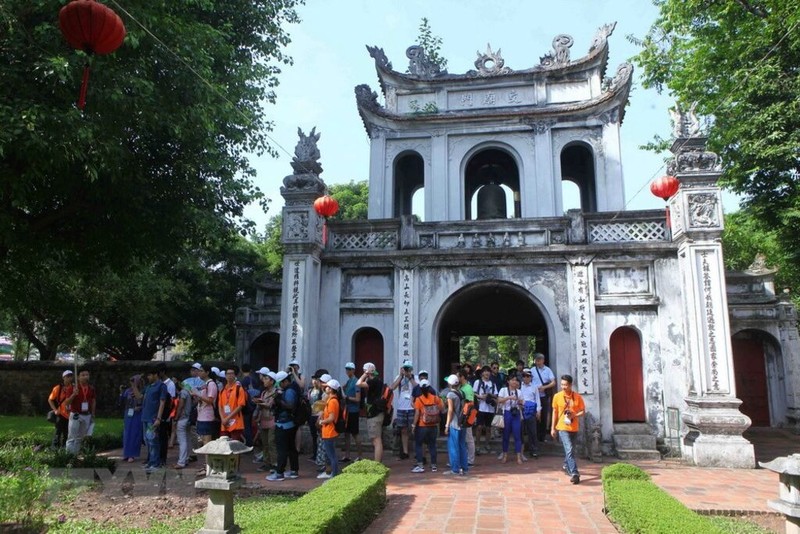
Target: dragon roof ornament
point(560, 54)
point(420, 65)
point(489, 63)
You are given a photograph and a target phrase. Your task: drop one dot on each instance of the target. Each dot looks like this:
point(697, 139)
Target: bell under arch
point(577, 166)
point(409, 178)
point(488, 308)
point(485, 174)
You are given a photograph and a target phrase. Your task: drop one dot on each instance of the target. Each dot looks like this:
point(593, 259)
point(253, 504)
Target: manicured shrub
point(636, 505)
point(623, 472)
point(346, 503)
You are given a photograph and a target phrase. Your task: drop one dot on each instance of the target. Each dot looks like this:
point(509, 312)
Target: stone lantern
point(222, 477)
point(788, 467)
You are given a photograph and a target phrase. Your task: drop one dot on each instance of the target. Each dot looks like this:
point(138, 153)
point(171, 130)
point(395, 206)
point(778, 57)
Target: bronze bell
point(491, 202)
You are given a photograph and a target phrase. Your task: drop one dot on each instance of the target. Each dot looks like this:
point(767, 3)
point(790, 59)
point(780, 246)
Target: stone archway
point(489, 308)
point(264, 351)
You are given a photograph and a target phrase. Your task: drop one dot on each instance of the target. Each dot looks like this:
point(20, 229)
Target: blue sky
point(330, 59)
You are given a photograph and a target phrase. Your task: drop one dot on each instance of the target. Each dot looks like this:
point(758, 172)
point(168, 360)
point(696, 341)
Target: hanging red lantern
point(92, 27)
point(326, 206)
point(665, 187)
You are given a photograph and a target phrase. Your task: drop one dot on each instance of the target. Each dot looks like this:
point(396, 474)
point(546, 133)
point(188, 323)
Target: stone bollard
point(222, 477)
point(788, 467)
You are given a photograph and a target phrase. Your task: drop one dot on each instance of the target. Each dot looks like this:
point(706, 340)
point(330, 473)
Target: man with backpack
point(486, 392)
point(427, 414)
point(232, 400)
point(404, 412)
point(286, 402)
point(376, 406)
point(352, 395)
point(60, 408)
point(469, 396)
point(456, 439)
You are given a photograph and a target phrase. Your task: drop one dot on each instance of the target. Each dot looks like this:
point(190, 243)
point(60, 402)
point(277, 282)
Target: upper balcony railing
point(575, 229)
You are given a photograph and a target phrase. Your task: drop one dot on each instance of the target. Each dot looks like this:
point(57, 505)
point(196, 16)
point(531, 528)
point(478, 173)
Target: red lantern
point(665, 187)
point(92, 27)
point(326, 206)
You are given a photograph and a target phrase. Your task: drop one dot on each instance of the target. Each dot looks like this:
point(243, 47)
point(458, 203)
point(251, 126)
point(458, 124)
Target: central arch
point(487, 308)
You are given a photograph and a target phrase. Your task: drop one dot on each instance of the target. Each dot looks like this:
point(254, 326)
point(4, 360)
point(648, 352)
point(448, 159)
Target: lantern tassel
point(84, 87)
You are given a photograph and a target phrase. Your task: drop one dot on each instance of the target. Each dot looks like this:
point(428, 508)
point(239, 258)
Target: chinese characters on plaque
point(708, 319)
point(296, 276)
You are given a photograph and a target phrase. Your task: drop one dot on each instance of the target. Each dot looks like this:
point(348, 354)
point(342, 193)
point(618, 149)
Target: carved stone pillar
point(301, 235)
point(483, 350)
point(713, 421)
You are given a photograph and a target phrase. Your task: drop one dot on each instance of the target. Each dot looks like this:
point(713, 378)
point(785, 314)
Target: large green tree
point(738, 60)
point(101, 205)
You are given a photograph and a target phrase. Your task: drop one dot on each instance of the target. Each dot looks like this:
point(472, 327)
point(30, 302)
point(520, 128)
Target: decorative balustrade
point(640, 226)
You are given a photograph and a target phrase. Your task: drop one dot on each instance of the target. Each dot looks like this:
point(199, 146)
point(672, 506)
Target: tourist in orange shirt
point(327, 424)
point(428, 412)
point(232, 399)
point(60, 408)
point(567, 408)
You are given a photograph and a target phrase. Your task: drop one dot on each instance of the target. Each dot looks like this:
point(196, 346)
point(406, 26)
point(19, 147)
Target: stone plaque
point(581, 318)
point(614, 281)
point(568, 92)
point(405, 308)
point(492, 98)
point(367, 285)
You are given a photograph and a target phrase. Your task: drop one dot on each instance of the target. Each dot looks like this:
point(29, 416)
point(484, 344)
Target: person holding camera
point(404, 411)
point(511, 400)
point(568, 407)
point(486, 392)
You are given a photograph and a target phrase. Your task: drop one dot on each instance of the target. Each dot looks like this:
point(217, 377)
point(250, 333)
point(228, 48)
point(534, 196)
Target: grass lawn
point(14, 426)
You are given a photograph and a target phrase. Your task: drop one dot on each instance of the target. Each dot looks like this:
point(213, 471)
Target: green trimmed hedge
point(346, 503)
point(637, 505)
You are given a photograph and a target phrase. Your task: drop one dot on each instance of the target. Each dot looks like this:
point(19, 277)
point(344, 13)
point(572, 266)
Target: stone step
point(635, 441)
point(638, 454)
point(632, 428)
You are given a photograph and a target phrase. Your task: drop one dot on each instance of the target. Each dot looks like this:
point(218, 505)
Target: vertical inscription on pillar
point(297, 277)
point(406, 301)
point(709, 320)
point(582, 327)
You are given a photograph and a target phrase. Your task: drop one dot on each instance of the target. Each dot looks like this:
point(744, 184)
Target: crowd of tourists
point(266, 409)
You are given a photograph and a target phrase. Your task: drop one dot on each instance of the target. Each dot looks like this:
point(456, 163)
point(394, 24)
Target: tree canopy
point(114, 219)
point(738, 61)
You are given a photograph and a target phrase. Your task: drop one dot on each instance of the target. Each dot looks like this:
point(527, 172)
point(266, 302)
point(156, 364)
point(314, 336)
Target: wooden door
point(750, 370)
point(368, 348)
point(627, 383)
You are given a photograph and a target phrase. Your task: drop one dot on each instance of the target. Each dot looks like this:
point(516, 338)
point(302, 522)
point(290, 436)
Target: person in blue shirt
point(154, 404)
point(353, 399)
point(285, 429)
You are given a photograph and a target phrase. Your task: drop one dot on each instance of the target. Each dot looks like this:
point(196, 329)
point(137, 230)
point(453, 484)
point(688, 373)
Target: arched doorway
point(489, 308)
point(264, 351)
point(759, 375)
point(577, 166)
point(627, 382)
point(368, 347)
point(409, 177)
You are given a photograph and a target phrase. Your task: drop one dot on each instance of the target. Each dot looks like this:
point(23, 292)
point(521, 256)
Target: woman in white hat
point(327, 424)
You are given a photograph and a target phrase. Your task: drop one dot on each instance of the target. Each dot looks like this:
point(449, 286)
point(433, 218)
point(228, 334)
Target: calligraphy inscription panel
point(613, 281)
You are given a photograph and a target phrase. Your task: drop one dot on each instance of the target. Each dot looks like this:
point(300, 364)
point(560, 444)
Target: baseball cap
point(333, 384)
point(325, 378)
point(526, 371)
point(423, 383)
point(220, 374)
point(273, 376)
point(452, 380)
point(423, 372)
point(281, 376)
point(215, 370)
point(197, 365)
point(538, 356)
point(407, 364)
point(294, 362)
point(349, 365)
point(263, 371)
point(65, 373)
point(369, 367)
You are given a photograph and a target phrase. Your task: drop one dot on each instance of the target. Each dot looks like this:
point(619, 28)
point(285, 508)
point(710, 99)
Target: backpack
point(340, 425)
point(302, 410)
point(469, 412)
point(431, 414)
point(386, 399)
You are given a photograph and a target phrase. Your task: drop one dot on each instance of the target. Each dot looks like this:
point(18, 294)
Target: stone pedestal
point(219, 512)
point(715, 427)
point(789, 490)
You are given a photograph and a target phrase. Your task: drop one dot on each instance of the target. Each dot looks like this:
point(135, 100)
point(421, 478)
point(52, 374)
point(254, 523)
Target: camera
point(514, 411)
point(567, 417)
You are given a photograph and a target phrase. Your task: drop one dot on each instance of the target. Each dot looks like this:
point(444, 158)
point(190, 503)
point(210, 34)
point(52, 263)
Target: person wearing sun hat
point(372, 386)
point(60, 408)
point(327, 424)
point(456, 439)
